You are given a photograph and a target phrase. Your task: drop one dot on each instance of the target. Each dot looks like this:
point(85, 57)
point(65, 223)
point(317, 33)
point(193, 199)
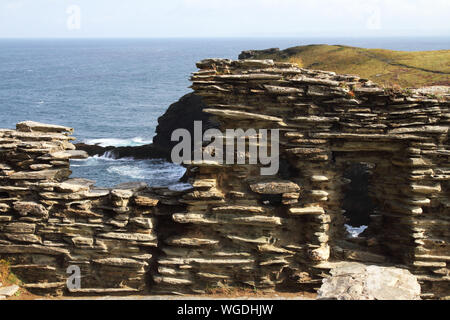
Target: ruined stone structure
point(236, 227)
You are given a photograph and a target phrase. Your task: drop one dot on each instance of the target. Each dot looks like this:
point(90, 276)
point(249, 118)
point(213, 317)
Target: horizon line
point(224, 37)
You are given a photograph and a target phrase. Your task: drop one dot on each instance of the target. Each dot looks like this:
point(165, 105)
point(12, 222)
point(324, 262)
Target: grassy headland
point(385, 67)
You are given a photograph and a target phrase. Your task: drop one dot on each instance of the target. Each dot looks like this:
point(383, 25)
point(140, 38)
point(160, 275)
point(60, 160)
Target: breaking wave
point(108, 171)
point(115, 142)
point(354, 232)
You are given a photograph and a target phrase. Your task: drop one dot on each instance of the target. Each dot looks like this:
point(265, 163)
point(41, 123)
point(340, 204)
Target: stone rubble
point(356, 281)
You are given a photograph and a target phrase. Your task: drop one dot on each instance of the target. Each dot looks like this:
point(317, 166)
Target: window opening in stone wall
point(357, 203)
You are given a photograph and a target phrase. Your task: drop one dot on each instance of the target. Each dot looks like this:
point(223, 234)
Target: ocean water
point(113, 91)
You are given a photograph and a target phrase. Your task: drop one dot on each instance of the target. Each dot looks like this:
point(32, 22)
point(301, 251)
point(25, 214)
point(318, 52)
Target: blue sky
point(223, 18)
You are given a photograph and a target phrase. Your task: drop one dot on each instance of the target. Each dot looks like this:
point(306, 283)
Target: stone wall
point(49, 222)
point(327, 122)
point(236, 227)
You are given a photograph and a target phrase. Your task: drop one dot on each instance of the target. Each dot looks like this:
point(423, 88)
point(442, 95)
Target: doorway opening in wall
point(357, 203)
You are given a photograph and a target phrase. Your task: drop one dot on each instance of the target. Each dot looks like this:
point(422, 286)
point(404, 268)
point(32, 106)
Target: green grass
point(385, 67)
point(6, 276)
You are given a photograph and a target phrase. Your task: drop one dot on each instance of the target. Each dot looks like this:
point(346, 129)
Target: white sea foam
point(116, 142)
point(180, 186)
point(108, 156)
point(130, 171)
point(108, 171)
point(148, 170)
point(354, 232)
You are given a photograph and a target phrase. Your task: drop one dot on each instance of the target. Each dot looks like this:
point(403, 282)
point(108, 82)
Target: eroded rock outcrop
point(179, 115)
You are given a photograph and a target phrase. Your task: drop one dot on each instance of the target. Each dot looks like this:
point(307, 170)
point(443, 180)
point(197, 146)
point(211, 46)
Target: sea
point(112, 91)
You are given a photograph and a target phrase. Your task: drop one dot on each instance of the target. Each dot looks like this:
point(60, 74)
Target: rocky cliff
point(180, 115)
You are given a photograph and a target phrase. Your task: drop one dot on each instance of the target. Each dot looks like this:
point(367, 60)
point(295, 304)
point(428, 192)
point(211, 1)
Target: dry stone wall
point(49, 222)
point(326, 122)
point(236, 227)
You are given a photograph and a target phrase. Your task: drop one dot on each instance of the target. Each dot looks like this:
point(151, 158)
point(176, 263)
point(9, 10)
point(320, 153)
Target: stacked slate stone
point(236, 227)
point(289, 228)
point(49, 222)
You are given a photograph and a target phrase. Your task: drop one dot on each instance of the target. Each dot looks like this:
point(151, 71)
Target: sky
point(222, 18)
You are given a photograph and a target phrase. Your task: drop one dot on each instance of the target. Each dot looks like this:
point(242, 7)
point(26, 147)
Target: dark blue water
point(113, 91)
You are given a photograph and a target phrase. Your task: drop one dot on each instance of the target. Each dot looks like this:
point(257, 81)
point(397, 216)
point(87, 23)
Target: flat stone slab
point(357, 281)
point(30, 126)
point(274, 187)
point(240, 115)
point(9, 291)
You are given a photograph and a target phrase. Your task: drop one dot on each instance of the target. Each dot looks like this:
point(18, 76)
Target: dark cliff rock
point(148, 151)
point(180, 114)
point(250, 54)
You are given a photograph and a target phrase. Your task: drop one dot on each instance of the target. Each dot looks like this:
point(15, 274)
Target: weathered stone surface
point(172, 281)
point(282, 90)
point(68, 154)
point(353, 281)
point(238, 209)
point(274, 187)
point(30, 238)
point(75, 185)
point(146, 200)
point(25, 208)
point(4, 207)
point(195, 218)
point(195, 242)
point(321, 253)
point(39, 167)
point(145, 223)
point(9, 291)
point(121, 194)
point(121, 262)
point(54, 174)
point(102, 291)
point(426, 189)
point(45, 285)
point(128, 236)
point(204, 183)
point(306, 211)
point(83, 241)
point(19, 227)
point(37, 249)
point(258, 221)
point(241, 115)
point(30, 126)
